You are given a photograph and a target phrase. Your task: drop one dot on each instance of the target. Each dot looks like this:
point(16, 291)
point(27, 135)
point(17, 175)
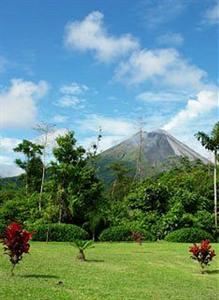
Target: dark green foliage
point(204, 220)
point(180, 197)
point(172, 200)
point(149, 196)
point(20, 209)
point(116, 233)
point(2, 229)
point(57, 232)
point(73, 181)
point(189, 235)
point(32, 165)
point(123, 233)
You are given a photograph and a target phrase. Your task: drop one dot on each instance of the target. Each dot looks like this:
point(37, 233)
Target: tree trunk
point(43, 173)
point(60, 214)
point(41, 188)
point(215, 189)
point(47, 234)
point(81, 255)
point(27, 174)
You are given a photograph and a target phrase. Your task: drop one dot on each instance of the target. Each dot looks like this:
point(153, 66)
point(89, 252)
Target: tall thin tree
point(45, 129)
point(211, 143)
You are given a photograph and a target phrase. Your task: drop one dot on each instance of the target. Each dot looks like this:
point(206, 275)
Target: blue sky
point(89, 64)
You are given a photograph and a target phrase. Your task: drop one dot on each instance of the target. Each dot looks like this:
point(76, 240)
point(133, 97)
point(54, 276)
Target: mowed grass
point(113, 271)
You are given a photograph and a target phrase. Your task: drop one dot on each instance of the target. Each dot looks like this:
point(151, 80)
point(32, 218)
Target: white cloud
point(60, 119)
point(114, 130)
point(160, 66)
point(18, 106)
point(212, 15)
point(106, 142)
point(109, 125)
point(90, 34)
point(72, 95)
point(68, 101)
point(7, 167)
point(153, 96)
point(7, 144)
point(160, 12)
point(205, 101)
point(73, 89)
point(170, 39)
point(145, 65)
point(51, 137)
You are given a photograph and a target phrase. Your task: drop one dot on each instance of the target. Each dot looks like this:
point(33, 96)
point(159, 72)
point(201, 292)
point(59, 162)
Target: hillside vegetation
point(72, 193)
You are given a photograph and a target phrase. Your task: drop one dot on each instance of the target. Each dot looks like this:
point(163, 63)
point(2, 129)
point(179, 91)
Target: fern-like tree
point(211, 143)
point(82, 246)
point(45, 129)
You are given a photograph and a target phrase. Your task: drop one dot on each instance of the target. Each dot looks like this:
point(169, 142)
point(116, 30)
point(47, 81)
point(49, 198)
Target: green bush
point(57, 232)
point(205, 220)
point(122, 233)
point(188, 235)
point(2, 229)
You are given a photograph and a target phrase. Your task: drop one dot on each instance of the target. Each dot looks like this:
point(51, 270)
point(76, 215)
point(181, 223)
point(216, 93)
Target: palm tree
point(211, 143)
point(82, 246)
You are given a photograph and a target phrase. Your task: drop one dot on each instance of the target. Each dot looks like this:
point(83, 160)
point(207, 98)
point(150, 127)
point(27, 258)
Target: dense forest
point(68, 190)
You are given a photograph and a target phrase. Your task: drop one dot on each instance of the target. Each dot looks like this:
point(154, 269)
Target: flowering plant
point(137, 237)
point(203, 253)
point(16, 243)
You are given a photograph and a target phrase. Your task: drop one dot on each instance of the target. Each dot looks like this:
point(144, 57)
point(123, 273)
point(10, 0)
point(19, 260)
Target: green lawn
point(114, 271)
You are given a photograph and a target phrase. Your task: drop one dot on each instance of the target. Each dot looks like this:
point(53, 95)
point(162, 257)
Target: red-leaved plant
point(203, 253)
point(16, 243)
point(137, 237)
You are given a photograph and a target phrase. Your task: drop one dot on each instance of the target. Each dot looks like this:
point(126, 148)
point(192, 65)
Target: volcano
point(146, 154)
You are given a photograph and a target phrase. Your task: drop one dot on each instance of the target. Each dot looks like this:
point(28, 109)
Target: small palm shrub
point(203, 253)
point(82, 246)
point(16, 243)
point(188, 235)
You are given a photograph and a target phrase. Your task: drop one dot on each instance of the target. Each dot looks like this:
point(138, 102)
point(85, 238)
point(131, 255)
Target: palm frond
point(205, 140)
point(215, 134)
point(82, 245)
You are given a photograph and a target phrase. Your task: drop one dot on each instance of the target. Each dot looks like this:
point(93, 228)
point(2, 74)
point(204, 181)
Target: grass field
point(113, 271)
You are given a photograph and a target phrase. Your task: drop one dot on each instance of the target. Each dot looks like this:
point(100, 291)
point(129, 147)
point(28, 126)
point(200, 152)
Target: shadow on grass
point(40, 276)
point(142, 251)
point(94, 260)
point(212, 271)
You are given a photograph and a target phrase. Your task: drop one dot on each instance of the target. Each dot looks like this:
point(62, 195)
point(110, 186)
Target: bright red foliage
point(203, 253)
point(16, 242)
point(137, 237)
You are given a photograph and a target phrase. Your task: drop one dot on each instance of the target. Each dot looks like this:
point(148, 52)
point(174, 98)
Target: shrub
point(205, 220)
point(203, 253)
point(20, 209)
point(122, 233)
point(82, 246)
point(58, 232)
point(188, 235)
point(16, 243)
